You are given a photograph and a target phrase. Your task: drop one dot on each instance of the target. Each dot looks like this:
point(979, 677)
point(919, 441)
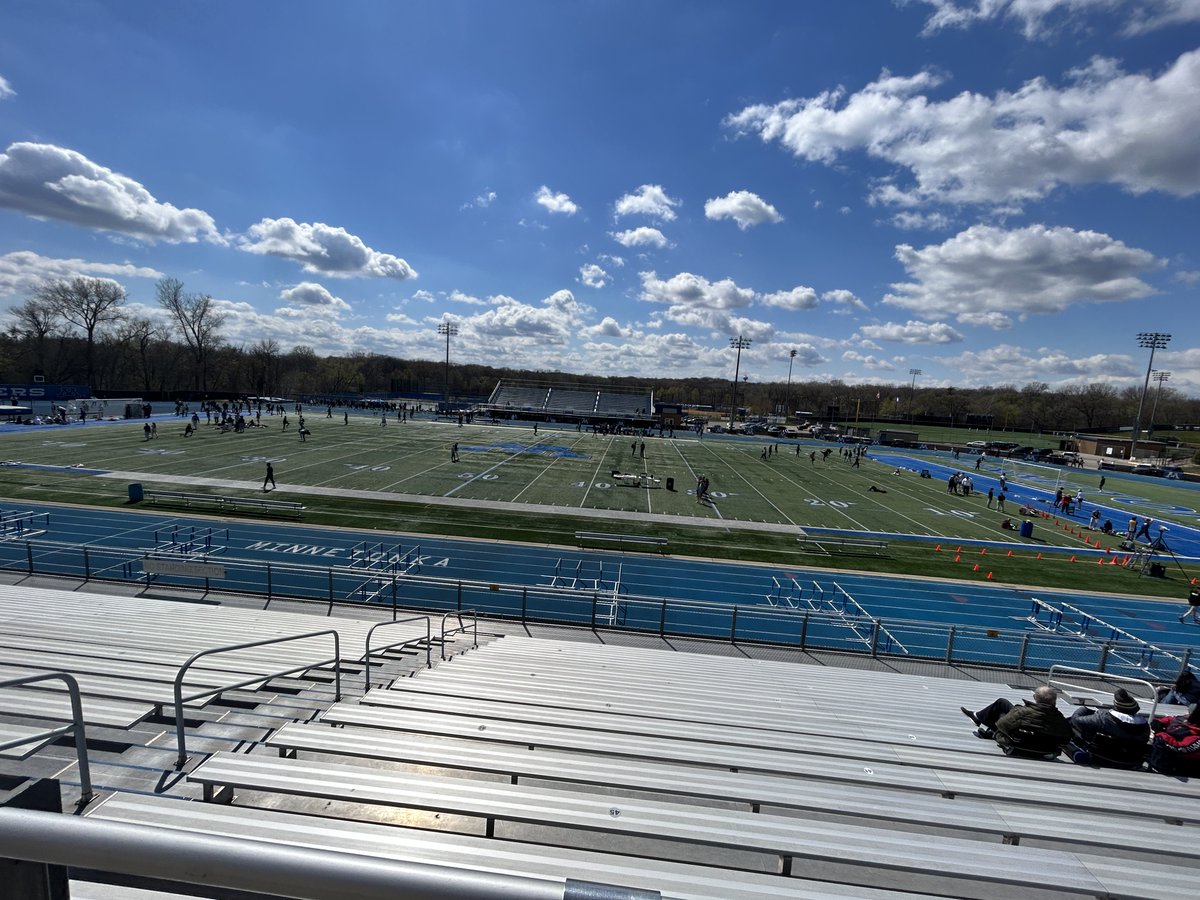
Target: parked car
point(978, 445)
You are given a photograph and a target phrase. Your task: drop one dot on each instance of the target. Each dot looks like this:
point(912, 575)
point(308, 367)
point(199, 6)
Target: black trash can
point(670, 484)
point(1026, 529)
point(135, 493)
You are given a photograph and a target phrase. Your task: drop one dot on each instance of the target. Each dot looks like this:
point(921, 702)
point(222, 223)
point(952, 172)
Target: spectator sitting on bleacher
point(1115, 737)
point(1034, 729)
point(1176, 746)
point(1184, 692)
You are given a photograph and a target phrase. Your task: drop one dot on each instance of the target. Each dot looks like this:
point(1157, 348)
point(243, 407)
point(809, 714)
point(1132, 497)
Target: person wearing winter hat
point(1116, 736)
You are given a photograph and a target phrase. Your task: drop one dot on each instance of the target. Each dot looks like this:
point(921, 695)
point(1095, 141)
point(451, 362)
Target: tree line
point(80, 330)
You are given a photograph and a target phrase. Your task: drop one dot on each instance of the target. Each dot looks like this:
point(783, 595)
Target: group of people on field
point(1119, 735)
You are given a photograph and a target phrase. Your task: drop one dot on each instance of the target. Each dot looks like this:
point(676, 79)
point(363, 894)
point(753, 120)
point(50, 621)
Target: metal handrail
point(181, 739)
point(473, 627)
point(1103, 676)
point(267, 869)
point(367, 653)
point(85, 774)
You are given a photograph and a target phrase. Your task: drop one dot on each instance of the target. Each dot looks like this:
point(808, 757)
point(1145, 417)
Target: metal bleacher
point(653, 772)
point(571, 401)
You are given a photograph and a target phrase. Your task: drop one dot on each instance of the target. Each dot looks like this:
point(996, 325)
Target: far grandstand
point(591, 405)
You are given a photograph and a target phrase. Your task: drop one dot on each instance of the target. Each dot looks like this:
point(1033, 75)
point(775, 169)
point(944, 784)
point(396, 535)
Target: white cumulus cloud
point(323, 248)
point(686, 289)
point(50, 182)
point(799, 297)
point(6, 90)
point(593, 276)
point(555, 203)
point(743, 207)
point(845, 302)
point(640, 237)
point(649, 200)
point(1038, 18)
point(23, 270)
point(986, 273)
point(1136, 131)
point(912, 332)
point(310, 297)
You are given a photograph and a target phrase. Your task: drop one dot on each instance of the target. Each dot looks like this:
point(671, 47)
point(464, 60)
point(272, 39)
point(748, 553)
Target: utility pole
point(1155, 340)
point(739, 344)
point(449, 329)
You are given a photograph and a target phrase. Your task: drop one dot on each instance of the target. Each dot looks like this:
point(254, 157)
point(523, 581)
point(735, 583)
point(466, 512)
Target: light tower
point(912, 394)
point(787, 413)
point(739, 344)
point(1155, 340)
point(1160, 377)
point(449, 329)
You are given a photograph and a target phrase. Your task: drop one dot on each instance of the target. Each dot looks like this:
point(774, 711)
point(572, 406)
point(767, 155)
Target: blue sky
point(990, 191)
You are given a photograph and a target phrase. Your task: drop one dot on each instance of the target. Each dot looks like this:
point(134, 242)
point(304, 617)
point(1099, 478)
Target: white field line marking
point(596, 473)
point(544, 470)
point(746, 481)
point(694, 476)
point(490, 469)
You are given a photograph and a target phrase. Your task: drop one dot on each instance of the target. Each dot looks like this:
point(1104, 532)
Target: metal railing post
point(1104, 651)
point(733, 625)
point(875, 624)
point(804, 632)
point(367, 648)
point(177, 688)
point(662, 619)
point(29, 555)
point(594, 599)
point(87, 566)
point(76, 726)
point(458, 597)
point(950, 644)
point(1023, 653)
point(270, 585)
point(524, 602)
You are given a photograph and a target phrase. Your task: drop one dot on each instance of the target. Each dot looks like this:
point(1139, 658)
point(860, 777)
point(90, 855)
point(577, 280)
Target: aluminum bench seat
point(964, 752)
point(56, 705)
point(1069, 790)
point(1008, 822)
point(972, 866)
point(683, 881)
point(26, 740)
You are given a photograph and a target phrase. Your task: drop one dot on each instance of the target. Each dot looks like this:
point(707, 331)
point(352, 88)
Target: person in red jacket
point(1175, 749)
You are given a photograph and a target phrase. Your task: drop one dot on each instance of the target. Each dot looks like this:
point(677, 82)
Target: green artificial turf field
point(514, 484)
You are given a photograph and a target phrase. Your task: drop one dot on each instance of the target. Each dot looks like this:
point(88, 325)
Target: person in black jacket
point(1116, 736)
point(1035, 729)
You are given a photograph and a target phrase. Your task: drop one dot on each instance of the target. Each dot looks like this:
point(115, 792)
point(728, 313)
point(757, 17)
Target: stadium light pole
point(739, 344)
point(1160, 377)
point(787, 413)
point(912, 394)
point(449, 329)
point(1155, 340)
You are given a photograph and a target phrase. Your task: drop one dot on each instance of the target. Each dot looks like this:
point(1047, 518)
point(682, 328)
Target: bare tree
point(86, 303)
point(36, 322)
point(197, 321)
